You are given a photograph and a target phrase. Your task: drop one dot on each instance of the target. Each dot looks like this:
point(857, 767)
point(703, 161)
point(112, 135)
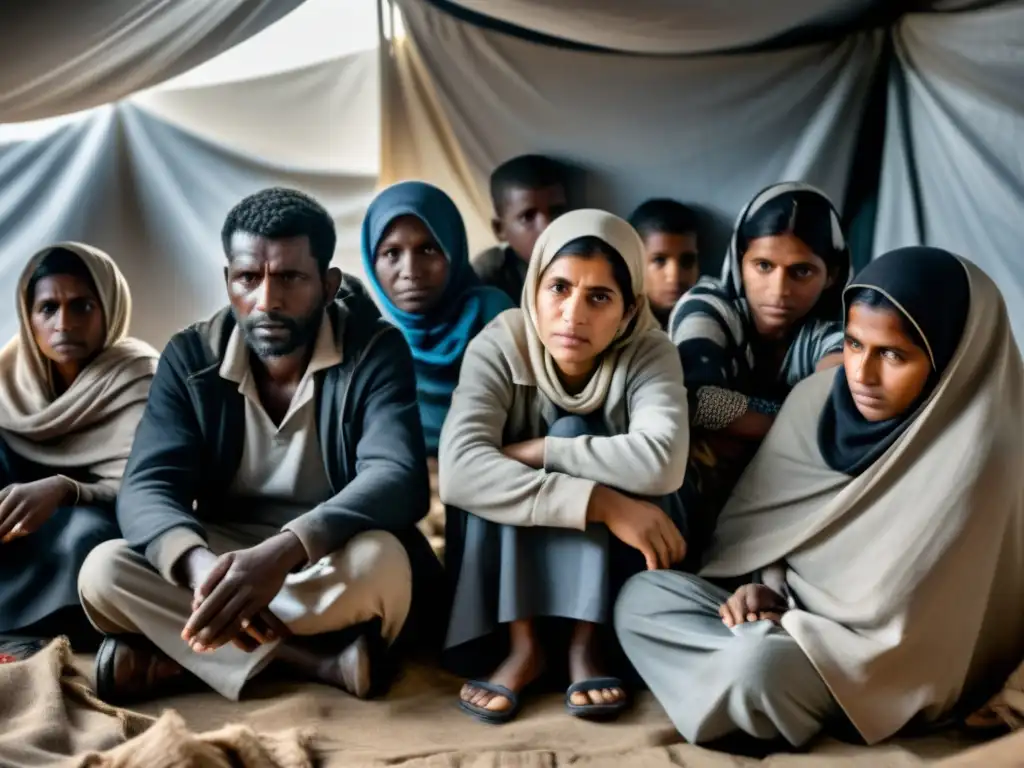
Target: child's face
point(672, 268)
point(527, 213)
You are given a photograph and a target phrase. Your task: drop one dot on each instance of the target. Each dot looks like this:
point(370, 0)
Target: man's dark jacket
point(189, 442)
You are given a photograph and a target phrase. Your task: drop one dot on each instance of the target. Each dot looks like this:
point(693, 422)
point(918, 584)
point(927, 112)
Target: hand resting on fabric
point(231, 595)
point(640, 524)
point(24, 507)
point(753, 602)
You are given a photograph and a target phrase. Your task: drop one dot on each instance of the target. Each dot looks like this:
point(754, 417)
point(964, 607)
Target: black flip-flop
point(595, 711)
point(492, 716)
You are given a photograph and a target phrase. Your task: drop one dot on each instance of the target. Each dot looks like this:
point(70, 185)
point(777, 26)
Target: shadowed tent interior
point(135, 126)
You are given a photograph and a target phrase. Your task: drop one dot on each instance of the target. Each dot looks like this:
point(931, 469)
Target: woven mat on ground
point(49, 716)
point(419, 726)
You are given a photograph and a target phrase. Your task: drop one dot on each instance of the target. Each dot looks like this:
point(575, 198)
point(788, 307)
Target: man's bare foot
point(585, 664)
point(351, 669)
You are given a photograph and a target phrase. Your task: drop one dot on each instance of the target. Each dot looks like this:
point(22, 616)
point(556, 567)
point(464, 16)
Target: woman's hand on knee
point(753, 602)
point(639, 524)
point(24, 507)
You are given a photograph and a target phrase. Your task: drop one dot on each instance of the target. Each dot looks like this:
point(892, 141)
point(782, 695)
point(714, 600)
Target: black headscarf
point(931, 288)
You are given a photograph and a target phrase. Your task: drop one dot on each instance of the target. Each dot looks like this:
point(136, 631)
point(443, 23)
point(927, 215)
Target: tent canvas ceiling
point(702, 100)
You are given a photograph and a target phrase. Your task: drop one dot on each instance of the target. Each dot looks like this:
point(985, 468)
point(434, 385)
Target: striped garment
point(712, 331)
point(728, 371)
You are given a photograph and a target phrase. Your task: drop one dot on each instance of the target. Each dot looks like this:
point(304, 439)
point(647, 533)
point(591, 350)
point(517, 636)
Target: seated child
point(528, 192)
point(669, 232)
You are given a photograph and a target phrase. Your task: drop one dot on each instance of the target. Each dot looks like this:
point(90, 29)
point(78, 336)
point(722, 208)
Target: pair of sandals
point(586, 711)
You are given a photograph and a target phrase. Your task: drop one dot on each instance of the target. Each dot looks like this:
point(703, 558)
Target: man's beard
point(298, 332)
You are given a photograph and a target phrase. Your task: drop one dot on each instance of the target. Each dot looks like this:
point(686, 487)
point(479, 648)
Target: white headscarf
point(623, 238)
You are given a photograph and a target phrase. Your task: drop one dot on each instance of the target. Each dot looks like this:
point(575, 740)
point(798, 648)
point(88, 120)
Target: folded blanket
point(50, 716)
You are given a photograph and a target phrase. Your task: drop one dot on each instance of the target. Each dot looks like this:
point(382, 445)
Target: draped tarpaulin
point(595, 83)
point(660, 27)
point(61, 56)
point(953, 169)
point(711, 130)
point(674, 27)
point(151, 180)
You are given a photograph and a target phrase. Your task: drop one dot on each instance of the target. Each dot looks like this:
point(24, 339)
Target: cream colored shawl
point(623, 238)
point(909, 577)
point(90, 427)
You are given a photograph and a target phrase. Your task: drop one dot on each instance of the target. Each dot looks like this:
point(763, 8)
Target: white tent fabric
point(953, 167)
point(711, 130)
point(670, 26)
point(62, 57)
point(325, 116)
point(151, 180)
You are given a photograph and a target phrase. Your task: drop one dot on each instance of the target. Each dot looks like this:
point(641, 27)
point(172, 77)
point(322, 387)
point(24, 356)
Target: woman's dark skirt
point(39, 572)
point(503, 573)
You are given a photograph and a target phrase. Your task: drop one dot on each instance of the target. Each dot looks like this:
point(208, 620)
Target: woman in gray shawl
point(888, 570)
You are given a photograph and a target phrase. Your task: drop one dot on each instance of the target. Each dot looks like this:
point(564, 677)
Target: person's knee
point(87, 529)
point(378, 575)
point(373, 555)
point(778, 688)
point(103, 572)
point(765, 665)
point(654, 592)
point(570, 426)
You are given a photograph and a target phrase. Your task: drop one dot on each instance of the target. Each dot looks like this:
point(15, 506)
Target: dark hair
point(526, 172)
point(870, 297)
point(277, 213)
point(59, 261)
point(663, 215)
point(590, 246)
point(803, 214)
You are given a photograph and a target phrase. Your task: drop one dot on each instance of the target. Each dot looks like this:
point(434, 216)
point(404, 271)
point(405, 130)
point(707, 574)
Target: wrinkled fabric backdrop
point(912, 122)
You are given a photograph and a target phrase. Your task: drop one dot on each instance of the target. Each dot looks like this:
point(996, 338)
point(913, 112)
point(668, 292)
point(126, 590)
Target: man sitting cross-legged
point(274, 486)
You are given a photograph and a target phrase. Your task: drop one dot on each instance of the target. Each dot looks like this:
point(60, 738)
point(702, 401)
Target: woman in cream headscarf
point(72, 390)
point(562, 409)
point(882, 520)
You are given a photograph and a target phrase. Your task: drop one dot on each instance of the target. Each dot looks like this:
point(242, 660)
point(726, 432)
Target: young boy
point(669, 232)
point(528, 193)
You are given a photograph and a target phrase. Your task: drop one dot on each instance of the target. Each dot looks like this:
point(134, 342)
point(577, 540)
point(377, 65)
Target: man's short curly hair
point(279, 212)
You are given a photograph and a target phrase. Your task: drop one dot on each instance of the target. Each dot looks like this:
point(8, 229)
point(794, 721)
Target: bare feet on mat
point(585, 664)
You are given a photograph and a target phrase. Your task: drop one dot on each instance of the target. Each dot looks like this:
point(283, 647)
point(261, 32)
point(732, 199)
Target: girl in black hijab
point(905, 313)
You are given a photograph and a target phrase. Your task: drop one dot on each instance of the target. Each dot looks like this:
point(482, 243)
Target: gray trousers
point(714, 681)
